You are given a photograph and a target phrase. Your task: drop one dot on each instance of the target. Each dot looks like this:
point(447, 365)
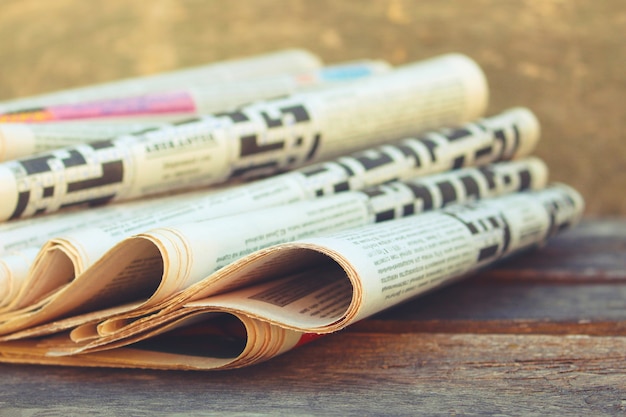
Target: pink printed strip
point(177, 102)
point(157, 103)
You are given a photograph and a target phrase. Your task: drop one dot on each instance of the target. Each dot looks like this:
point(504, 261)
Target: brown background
point(565, 59)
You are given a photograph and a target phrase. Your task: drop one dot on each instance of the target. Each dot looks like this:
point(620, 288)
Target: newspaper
point(76, 240)
point(14, 268)
point(281, 296)
point(22, 139)
point(511, 134)
point(259, 139)
point(168, 260)
point(196, 100)
point(20, 241)
point(289, 60)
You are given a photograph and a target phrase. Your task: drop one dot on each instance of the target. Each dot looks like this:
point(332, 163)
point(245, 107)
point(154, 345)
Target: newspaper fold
point(14, 269)
point(322, 284)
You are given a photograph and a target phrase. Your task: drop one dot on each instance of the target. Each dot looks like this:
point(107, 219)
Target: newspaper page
point(289, 60)
point(260, 139)
point(326, 283)
point(206, 342)
point(160, 263)
point(513, 133)
point(14, 267)
point(254, 231)
point(199, 100)
point(22, 139)
point(21, 241)
point(34, 231)
point(359, 272)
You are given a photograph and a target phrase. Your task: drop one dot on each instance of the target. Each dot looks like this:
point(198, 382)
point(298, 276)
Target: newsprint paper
point(76, 240)
point(256, 140)
point(45, 129)
point(289, 60)
point(278, 297)
point(197, 248)
point(367, 208)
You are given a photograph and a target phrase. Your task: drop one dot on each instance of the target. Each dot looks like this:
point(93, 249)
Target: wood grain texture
point(354, 374)
point(536, 345)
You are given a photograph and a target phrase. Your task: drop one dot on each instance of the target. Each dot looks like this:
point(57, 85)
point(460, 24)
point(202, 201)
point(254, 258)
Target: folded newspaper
point(276, 298)
point(228, 277)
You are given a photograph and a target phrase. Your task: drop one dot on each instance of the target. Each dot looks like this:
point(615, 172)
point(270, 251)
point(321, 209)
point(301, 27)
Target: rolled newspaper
point(18, 140)
point(21, 139)
point(259, 139)
point(290, 60)
point(192, 100)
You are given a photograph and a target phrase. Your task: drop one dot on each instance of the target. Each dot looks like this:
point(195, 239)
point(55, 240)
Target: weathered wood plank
point(510, 307)
point(352, 374)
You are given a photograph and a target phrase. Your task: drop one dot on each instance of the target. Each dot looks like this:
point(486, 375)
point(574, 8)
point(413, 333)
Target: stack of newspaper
point(216, 217)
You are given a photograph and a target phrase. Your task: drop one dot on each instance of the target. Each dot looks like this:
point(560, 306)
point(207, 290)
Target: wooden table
point(541, 334)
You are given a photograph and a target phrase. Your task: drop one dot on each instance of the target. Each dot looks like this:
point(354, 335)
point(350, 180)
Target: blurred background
point(564, 59)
